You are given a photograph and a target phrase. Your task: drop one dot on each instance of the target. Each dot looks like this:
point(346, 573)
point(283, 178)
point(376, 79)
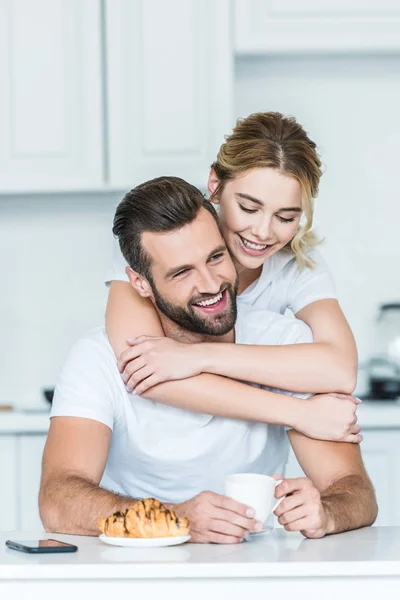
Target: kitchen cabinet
point(287, 26)
point(20, 472)
point(29, 473)
point(8, 483)
point(50, 102)
point(169, 87)
point(380, 454)
point(111, 93)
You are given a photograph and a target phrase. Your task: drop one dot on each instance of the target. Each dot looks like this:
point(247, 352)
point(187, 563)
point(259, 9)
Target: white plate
point(144, 542)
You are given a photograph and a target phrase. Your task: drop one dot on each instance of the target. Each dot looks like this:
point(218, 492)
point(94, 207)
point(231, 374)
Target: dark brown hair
point(160, 205)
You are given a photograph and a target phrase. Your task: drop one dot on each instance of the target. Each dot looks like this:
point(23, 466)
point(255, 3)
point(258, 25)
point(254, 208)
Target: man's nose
point(209, 282)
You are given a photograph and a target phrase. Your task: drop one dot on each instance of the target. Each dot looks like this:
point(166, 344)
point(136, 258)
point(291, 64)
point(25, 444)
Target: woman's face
point(259, 214)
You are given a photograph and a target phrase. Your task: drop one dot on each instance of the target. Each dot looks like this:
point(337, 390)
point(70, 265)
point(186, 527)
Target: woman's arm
point(323, 417)
point(327, 365)
point(129, 315)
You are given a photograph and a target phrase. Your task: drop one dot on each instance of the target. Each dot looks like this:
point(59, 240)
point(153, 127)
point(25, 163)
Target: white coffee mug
point(254, 490)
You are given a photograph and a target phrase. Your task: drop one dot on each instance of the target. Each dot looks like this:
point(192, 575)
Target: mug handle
point(277, 503)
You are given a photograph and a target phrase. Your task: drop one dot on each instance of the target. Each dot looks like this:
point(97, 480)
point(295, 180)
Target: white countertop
point(371, 415)
point(368, 552)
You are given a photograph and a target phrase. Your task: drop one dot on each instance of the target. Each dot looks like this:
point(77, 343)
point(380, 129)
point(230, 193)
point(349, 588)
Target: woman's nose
point(262, 229)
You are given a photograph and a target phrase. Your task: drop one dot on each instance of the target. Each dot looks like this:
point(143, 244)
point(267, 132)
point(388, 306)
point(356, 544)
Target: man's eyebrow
point(175, 270)
point(257, 201)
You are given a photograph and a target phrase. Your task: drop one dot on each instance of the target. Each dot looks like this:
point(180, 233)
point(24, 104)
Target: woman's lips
point(252, 251)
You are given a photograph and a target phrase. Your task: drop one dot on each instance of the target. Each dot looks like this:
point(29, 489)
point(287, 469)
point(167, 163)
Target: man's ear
point(213, 183)
point(139, 283)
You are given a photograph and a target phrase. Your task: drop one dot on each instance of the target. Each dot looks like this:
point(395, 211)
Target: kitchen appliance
point(384, 365)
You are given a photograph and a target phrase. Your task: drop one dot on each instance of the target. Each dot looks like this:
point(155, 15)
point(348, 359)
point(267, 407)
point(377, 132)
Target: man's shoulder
point(92, 351)
point(266, 327)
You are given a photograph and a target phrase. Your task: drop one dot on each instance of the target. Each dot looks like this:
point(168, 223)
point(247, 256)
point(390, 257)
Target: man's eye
point(217, 256)
point(247, 210)
point(181, 273)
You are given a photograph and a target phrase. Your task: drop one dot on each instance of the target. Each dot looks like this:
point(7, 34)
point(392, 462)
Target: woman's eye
point(283, 220)
point(247, 210)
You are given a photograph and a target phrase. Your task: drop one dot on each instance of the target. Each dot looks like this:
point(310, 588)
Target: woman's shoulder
point(287, 266)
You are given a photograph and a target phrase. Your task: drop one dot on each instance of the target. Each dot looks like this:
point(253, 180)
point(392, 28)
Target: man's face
point(194, 281)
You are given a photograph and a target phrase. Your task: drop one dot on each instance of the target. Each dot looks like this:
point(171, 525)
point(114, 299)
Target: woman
point(264, 180)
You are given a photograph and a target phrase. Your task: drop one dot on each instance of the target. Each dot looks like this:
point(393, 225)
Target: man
point(134, 447)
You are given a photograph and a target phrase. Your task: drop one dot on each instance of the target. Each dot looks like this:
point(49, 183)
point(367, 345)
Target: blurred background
point(97, 96)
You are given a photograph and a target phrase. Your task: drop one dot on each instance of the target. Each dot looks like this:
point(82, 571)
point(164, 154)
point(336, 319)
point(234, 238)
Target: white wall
point(54, 255)
point(55, 250)
point(350, 107)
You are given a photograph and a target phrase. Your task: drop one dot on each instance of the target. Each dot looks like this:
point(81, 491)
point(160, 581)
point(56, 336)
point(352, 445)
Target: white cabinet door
point(169, 83)
point(380, 454)
point(311, 25)
point(30, 468)
point(8, 483)
point(50, 101)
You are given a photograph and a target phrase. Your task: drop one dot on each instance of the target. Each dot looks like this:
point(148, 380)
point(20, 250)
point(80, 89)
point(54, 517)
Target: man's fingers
point(293, 515)
point(289, 486)
point(230, 504)
point(227, 516)
point(226, 528)
point(290, 503)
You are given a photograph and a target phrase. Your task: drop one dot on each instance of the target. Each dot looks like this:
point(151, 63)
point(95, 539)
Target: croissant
point(147, 518)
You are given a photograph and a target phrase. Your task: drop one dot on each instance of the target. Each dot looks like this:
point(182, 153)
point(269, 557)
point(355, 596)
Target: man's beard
point(190, 320)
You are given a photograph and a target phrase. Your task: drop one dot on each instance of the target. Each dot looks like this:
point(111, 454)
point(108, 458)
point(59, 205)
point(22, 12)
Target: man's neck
point(174, 331)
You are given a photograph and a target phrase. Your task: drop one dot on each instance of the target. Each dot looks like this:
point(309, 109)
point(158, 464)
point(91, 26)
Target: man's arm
point(336, 495)
point(71, 500)
point(75, 455)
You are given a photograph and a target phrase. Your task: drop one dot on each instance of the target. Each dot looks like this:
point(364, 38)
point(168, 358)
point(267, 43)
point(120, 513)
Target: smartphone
point(41, 546)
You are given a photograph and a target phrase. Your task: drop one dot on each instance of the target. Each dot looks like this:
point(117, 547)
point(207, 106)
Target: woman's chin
point(247, 262)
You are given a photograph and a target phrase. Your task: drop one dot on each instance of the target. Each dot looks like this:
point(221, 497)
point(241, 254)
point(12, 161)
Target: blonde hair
point(272, 140)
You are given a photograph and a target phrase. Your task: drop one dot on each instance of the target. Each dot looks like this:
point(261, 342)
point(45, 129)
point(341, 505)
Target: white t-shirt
point(281, 284)
point(167, 452)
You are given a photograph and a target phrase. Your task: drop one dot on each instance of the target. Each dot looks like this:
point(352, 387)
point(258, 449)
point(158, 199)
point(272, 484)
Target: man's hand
point(217, 519)
point(153, 360)
point(330, 417)
point(303, 509)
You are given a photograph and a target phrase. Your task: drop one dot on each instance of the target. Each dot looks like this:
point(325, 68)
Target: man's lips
point(213, 304)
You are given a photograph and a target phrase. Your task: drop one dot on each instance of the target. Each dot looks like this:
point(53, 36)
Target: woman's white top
point(281, 285)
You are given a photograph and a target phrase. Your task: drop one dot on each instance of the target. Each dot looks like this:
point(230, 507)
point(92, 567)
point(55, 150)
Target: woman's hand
point(153, 360)
point(330, 417)
point(302, 509)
